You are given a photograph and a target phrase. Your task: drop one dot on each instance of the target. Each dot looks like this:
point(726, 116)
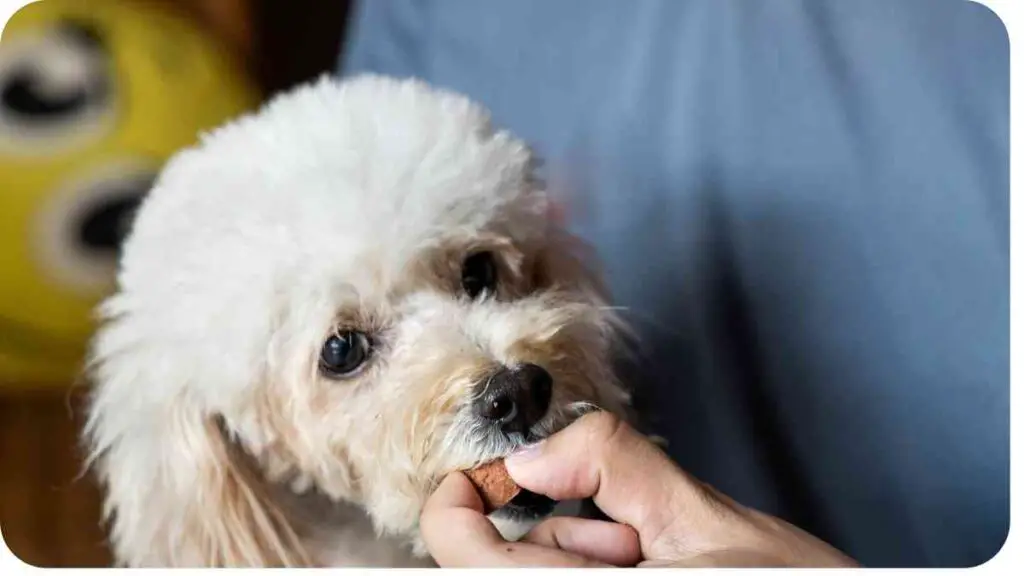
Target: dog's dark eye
point(344, 354)
point(479, 274)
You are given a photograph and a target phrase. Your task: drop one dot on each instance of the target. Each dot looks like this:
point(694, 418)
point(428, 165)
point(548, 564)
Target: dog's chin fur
point(343, 205)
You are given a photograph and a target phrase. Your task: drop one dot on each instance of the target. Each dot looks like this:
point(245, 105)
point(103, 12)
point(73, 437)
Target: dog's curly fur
point(343, 205)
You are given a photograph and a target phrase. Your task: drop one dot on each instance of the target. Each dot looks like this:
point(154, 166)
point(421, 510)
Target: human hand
point(662, 515)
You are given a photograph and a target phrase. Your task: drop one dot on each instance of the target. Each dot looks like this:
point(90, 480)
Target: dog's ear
point(176, 490)
point(567, 262)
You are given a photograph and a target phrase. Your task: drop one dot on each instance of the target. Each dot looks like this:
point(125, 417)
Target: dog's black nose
point(516, 398)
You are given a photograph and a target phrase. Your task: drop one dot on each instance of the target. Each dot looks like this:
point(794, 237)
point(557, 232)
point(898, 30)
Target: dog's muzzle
point(515, 399)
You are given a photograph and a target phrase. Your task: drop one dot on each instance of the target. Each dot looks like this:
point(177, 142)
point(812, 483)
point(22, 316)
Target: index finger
point(458, 534)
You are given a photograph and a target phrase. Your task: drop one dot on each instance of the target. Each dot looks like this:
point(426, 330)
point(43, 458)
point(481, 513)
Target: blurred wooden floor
point(48, 518)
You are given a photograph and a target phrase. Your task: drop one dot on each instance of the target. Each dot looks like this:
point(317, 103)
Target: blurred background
point(94, 97)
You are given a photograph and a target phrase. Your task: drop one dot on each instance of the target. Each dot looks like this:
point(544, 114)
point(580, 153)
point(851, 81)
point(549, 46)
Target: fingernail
point(526, 453)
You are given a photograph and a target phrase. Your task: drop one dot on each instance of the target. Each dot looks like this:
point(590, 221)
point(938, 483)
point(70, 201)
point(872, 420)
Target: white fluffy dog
point(322, 309)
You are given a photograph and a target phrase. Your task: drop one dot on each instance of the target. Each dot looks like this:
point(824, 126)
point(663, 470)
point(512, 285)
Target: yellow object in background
point(94, 97)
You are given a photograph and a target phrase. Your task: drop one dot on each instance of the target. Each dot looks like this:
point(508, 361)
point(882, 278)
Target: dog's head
point(357, 290)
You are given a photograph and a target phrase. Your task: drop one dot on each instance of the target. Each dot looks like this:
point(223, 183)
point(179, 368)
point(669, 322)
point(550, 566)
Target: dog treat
point(495, 486)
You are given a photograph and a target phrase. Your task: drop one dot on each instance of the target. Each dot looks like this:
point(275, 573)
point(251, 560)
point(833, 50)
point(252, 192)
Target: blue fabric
point(804, 204)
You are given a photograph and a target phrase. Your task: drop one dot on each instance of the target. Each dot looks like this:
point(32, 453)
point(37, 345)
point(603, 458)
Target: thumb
point(601, 457)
